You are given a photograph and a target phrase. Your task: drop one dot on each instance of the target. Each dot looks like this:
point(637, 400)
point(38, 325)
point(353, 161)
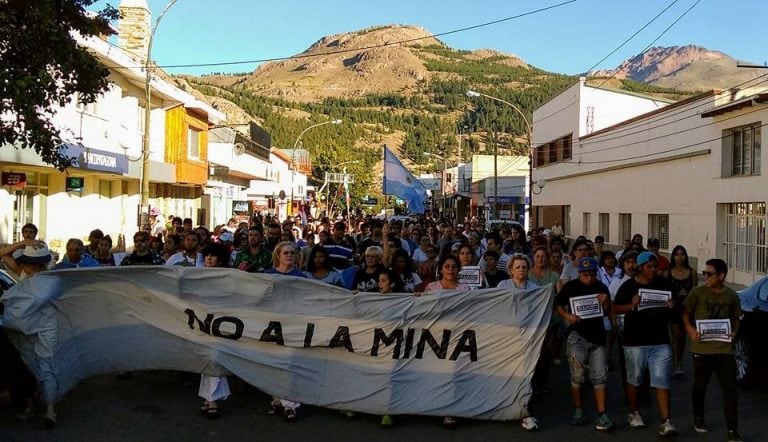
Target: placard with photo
point(586, 307)
point(714, 330)
point(653, 298)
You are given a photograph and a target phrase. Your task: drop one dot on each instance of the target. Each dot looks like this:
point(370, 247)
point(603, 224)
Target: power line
point(616, 73)
point(366, 48)
point(671, 114)
point(654, 153)
point(660, 35)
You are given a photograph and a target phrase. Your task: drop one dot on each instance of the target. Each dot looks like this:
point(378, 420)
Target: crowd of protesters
point(423, 256)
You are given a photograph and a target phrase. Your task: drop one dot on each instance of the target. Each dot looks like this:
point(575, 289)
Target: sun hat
point(36, 254)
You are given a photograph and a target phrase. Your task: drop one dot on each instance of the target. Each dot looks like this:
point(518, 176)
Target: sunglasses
point(707, 274)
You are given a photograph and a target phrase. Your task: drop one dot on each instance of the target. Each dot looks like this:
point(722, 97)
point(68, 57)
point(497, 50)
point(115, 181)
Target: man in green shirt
point(709, 312)
point(254, 259)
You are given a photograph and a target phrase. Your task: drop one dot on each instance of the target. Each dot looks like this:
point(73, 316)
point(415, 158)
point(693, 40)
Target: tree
point(43, 67)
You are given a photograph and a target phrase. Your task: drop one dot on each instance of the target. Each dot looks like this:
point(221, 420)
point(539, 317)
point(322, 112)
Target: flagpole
point(384, 183)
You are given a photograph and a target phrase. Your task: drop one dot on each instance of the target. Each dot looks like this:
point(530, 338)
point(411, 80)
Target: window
point(625, 227)
point(554, 152)
point(193, 143)
point(603, 226)
point(567, 220)
point(587, 224)
point(467, 184)
point(658, 227)
point(746, 242)
point(741, 150)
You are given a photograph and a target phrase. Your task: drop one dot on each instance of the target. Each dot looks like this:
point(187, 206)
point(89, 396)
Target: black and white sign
point(714, 330)
point(471, 275)
point(586, 307)
point(653, 298)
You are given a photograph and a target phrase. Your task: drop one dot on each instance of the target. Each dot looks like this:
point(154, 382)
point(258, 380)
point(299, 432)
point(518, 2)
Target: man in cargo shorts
point(582, 303)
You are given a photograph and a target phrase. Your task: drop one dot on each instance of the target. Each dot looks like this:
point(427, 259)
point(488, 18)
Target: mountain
point(357, 64)
point(691, 68)
point(394, 85)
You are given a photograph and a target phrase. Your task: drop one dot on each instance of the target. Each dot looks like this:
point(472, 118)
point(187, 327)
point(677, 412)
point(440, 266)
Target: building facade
point(688, 173)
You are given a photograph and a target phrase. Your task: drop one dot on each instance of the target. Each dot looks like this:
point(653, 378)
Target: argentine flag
point(400, 182)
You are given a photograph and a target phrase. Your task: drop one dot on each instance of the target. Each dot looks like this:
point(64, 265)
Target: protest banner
point(468, 354)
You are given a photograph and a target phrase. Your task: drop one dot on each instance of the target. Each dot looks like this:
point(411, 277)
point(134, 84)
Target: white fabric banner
point(468, 354)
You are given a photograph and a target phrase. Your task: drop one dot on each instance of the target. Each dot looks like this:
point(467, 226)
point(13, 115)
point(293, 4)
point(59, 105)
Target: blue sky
point(568, 39)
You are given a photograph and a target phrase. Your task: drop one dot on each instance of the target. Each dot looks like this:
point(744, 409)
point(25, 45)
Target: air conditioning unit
point(239, 149)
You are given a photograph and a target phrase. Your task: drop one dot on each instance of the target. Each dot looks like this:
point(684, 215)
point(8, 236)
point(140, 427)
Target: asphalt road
point(155, 406)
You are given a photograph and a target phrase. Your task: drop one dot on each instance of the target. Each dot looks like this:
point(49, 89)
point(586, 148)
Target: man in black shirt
point(583, 303)
point(646, 302)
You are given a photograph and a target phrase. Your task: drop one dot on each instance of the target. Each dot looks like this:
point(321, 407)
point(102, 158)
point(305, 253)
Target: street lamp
point(144, 203)
point(293, 154)
point(474, 94)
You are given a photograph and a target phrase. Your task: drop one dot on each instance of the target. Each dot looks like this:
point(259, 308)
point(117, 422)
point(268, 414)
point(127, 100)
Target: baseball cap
point(587, 264)
point(36, 254)
point(644, 257)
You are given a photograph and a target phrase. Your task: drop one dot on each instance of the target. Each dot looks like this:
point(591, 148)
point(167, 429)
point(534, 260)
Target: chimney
point(134, 28)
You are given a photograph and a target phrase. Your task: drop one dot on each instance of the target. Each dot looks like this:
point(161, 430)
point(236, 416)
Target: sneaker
point(733, 436)
point(635, 420)
point(386, 421)
point(289, 414)
point(530, 424)
point(699, 426)
point(678, 373)
point(666, 429)
point(578, 417)
point(604, 423)
point(275, 408)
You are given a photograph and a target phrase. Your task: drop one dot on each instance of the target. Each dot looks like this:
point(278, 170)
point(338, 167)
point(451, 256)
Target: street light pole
point(293, 155)
point(474, 94)
point(144, 202)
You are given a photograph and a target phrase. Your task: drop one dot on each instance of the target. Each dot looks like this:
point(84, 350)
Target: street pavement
point(157, 406)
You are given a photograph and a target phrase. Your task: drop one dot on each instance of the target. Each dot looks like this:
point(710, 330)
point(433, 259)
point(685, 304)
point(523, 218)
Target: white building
point(688, 173)
point(103, 189)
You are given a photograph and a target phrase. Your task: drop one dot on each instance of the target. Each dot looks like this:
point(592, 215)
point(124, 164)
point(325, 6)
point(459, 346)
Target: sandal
point(450, 423)
point(290, 415)
point(213, 413)
point(204, 408)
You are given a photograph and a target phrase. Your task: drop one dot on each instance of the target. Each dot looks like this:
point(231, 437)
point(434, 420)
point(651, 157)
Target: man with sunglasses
point(142, 254)
point(713, 301)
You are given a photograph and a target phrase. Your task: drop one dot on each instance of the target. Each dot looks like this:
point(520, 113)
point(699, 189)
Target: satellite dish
point(239, 149)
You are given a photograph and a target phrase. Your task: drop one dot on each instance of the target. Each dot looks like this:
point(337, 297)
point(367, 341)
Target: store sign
point(504, 199)
point(75, 183)
point(368, 201)
point(14, 179)
point(94, 159)
point(431, 183)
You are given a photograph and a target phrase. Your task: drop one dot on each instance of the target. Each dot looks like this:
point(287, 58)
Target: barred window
point(625, 227)
point(658, 227)
point(603, 228)
point(587, 224)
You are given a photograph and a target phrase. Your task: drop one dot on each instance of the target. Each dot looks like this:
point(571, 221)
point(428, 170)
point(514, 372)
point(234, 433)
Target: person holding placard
point(582, 303)
point(646, 302)
point(711, 316)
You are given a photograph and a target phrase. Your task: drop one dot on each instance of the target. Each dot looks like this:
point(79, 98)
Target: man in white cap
point(11, 253)
point(39, 358)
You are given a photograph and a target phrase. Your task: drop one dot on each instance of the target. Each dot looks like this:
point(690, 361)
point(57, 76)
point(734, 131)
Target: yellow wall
point(177, 122)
